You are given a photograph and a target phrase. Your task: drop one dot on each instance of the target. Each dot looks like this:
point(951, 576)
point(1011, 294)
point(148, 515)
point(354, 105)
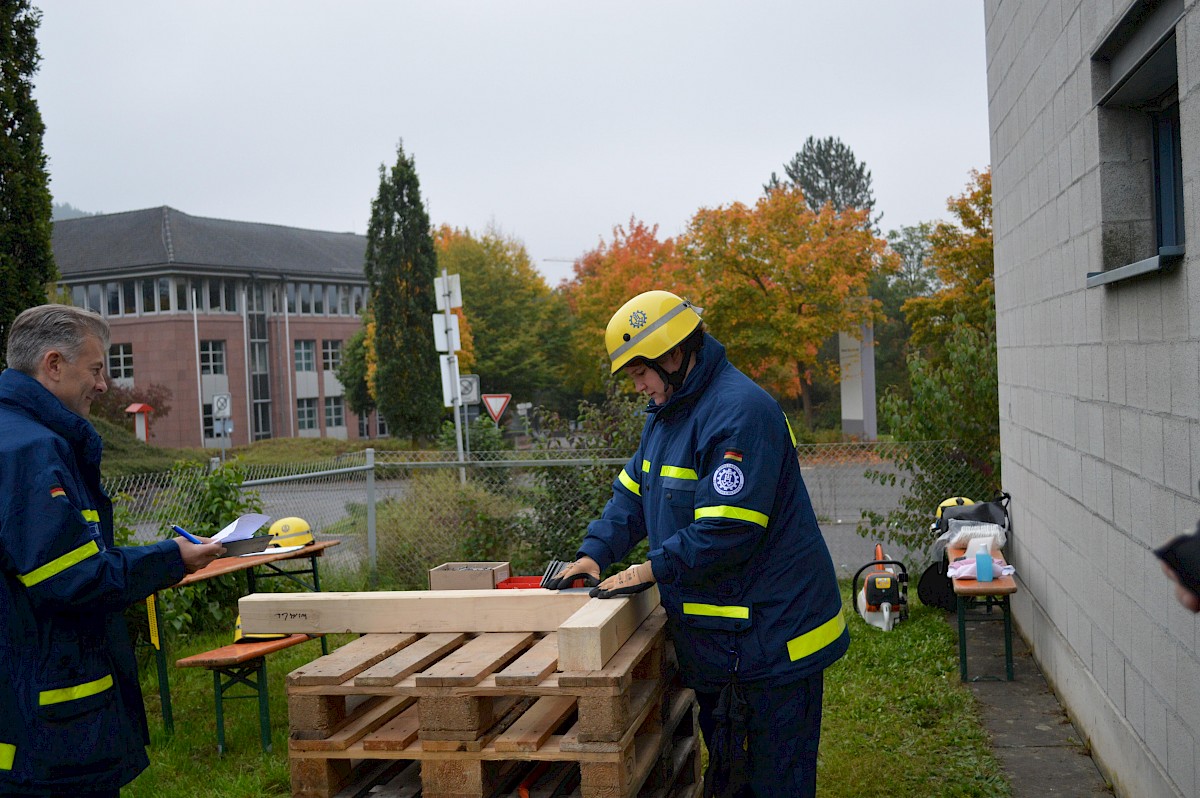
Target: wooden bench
point(973, 594)
point(242, 663)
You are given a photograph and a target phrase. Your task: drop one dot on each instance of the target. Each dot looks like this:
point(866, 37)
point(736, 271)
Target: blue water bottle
point(983, 565)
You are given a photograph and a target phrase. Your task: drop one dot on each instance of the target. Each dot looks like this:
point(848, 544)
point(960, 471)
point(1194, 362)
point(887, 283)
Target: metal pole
point(454, 386)
point(371, 513)
point(199, 382)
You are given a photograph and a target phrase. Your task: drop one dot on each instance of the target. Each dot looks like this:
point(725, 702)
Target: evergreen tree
point(826, 171)
point(401, 266)
point(26, 260)
point(352, 374)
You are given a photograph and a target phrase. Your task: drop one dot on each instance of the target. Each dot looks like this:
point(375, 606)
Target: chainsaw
point(883, 600)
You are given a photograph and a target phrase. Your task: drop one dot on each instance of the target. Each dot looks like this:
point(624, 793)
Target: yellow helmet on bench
point(238, 637)
point(291, 531)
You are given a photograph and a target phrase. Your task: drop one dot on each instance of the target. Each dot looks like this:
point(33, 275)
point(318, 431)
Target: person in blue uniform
point(751, 596)
point(71, 715)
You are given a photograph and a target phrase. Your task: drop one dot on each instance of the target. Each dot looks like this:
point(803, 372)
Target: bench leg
point(219, 697)
point(252, 675)
point(264, 706)
point(1008, 659)
point(962, 637)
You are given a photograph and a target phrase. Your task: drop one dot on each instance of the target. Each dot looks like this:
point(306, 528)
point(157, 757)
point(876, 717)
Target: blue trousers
point(783, 732)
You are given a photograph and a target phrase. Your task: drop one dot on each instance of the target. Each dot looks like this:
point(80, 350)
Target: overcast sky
point(552, 121)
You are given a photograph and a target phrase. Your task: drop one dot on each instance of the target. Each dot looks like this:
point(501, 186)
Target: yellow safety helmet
point(953, 501)
point(649, 326)
point(291, 531)
point(238, 637)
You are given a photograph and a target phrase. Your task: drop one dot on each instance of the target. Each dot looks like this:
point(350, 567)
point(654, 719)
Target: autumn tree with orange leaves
point(604, 279)
point(782, 280)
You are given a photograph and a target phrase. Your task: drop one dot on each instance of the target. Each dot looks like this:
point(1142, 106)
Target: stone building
point(1095, 145)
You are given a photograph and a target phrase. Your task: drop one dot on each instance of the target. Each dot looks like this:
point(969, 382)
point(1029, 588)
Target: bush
point(442, 520)
point(203, 504)
point(569, 497)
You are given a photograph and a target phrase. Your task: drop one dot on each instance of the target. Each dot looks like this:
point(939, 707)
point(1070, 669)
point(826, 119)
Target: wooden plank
point(536, 725)
point(369, 717)
point(590, 637)
point(237, 653)
point(533, 666)
point(400, 666)
point(395, 735)
point(351, 659)
point(421, 611)
point(618, 671)
point(480, 657)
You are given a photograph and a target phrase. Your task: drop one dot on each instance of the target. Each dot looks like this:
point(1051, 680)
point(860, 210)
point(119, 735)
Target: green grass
point(897, 721)
point(124, 454)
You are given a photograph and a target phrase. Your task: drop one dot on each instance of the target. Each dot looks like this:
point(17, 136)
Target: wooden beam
point(590, 631)
point(591, 636)
point(421, 611)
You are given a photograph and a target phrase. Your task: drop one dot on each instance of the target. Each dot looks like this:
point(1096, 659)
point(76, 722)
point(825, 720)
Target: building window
point(129, 297)
point(306, 414)
point(120, 361)
point(306, 355)
point(318, 292)
point(364, 426)
point(1136, 75)
point(335, 413)
point(331, 355)
point(112, 293)
point(381, 427)
point(207, 417)
point(212, 357)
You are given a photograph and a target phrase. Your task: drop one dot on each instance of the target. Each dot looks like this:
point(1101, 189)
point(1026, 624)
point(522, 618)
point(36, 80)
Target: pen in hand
point(187, 534)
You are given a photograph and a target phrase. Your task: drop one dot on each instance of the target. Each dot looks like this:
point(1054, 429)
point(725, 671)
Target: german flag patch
point(733, 454)
point(57, 492)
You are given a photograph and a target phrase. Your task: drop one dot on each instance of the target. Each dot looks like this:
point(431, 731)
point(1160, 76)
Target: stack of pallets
point(488, 715)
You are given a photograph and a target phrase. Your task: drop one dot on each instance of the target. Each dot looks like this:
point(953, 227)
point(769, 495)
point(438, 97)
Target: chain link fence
point(407, 512)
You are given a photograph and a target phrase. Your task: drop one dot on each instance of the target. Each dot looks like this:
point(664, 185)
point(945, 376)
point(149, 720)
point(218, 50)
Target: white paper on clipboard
point(242, 528)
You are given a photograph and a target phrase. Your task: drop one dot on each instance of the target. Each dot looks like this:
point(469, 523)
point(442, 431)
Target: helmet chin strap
point(674, 379)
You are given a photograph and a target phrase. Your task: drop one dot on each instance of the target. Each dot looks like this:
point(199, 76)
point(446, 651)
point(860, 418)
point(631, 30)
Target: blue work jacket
point(744, 574)
point(71, 713)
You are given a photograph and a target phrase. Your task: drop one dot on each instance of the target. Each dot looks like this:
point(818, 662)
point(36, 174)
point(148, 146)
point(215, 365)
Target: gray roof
point(166, 239)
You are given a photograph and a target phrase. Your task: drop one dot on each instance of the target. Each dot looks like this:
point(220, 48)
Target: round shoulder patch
point(728, 479)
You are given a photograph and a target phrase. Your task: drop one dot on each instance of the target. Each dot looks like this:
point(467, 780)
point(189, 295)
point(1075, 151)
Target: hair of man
point(46, 328)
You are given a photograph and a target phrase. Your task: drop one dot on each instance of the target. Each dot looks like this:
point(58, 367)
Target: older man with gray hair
point(71, 715)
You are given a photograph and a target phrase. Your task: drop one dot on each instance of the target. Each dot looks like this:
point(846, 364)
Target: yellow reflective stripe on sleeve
point(716, 611)
point(61, 564)
point(790, 430)
point(47, 697)
point(646, 466)
point(739, 513)
point(677, 472)
point(628, 482)
point(91, 515)
point(815, 640)
point(8, 752)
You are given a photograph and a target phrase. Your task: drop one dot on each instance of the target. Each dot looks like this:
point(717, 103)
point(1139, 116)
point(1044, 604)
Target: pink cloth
point(965, 568)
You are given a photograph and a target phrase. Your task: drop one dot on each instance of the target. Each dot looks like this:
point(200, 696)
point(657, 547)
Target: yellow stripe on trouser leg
point(813, 641)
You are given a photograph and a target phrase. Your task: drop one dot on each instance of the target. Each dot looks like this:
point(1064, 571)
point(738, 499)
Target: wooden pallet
point(476, 709)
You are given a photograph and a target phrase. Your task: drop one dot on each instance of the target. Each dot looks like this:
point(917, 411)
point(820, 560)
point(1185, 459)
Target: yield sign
point(495, 404)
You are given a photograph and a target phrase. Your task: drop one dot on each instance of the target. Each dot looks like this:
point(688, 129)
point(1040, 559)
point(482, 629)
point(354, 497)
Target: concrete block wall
point(1099, 398)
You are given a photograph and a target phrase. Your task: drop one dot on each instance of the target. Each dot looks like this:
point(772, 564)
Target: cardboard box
point(468, 575)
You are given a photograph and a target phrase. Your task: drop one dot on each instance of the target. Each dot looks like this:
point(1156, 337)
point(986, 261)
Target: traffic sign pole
point(448, 297)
